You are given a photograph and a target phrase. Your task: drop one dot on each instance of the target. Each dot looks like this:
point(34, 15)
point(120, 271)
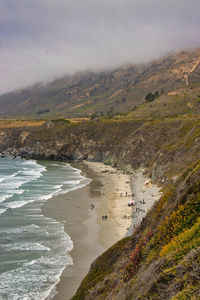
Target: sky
point(44, 39)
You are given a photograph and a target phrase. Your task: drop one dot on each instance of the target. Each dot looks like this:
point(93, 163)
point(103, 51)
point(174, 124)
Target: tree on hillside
point(150, 97)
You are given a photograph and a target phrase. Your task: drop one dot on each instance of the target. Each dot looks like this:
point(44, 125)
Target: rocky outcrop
point(159, 146)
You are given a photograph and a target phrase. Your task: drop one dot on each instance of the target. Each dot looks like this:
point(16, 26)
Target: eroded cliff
point(165, 147)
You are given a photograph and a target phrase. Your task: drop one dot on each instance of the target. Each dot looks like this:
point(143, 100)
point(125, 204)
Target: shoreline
point(73, 211)
point(109, 192)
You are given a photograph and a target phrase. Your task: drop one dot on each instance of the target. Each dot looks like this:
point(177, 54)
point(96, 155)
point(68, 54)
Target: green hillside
point(106, 92)
point(183, 101)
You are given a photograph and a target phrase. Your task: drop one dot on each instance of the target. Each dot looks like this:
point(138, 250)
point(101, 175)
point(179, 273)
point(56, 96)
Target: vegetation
point(151, 97)
point(118, 90)
point(181, 102)
point(61, 120)
point(20, 123)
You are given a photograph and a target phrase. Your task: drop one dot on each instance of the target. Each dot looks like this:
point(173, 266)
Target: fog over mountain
point(44, 39)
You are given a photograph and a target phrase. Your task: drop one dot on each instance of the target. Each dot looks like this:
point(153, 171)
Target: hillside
point(106, 92)
point(161, 145)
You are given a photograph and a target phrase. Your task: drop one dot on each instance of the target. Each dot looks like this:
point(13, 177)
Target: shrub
point(135, 257)
point(181, 244)
point(151, 97)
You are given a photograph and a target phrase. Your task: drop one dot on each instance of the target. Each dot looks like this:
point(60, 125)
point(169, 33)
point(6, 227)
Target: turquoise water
point(34, 249)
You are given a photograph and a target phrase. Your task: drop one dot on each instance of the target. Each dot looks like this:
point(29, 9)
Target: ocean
point(34, 249)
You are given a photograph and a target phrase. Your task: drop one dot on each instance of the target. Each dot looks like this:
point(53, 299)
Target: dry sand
point(115, 195)
point(110, 191)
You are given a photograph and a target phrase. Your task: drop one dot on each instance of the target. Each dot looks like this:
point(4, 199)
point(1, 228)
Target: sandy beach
point(115, 194)
point(109, 192)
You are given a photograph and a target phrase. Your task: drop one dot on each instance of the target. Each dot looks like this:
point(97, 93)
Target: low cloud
point(44, 39)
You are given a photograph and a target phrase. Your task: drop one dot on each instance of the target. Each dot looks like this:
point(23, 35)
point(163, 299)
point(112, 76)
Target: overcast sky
point(44, 39)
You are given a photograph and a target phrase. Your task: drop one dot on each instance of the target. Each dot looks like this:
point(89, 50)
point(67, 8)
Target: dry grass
point(21, 123)
point(77, 120)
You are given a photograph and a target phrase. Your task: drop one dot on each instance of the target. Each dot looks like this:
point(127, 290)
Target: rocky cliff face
point(164, 147)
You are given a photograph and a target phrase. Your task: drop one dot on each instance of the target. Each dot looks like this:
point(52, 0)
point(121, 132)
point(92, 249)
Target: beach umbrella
point(130, 203)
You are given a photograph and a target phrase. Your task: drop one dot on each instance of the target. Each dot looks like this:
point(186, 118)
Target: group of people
point(93, 207)
point(130, 203)
point(127, 195)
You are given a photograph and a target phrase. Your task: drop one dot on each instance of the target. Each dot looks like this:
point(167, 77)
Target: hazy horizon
point(41, 40)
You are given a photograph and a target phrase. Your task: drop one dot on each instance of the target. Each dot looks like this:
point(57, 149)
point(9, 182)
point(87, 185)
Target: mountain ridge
point(102, 93)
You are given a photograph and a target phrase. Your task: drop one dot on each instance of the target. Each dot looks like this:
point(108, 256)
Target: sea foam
point(36, 246)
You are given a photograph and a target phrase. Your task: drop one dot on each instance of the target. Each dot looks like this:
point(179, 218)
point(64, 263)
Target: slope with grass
point(183, 101)
point(105, 92)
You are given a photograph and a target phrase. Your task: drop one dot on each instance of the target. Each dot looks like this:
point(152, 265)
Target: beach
point(94, 228)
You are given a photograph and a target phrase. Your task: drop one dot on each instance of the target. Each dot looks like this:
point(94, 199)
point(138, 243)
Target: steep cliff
point(165, 147)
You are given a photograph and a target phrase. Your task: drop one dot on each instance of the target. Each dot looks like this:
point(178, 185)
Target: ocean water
point(34, 249)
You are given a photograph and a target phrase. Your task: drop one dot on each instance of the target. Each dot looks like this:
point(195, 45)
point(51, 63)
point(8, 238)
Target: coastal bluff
point(161, 259)
point(160, 146)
